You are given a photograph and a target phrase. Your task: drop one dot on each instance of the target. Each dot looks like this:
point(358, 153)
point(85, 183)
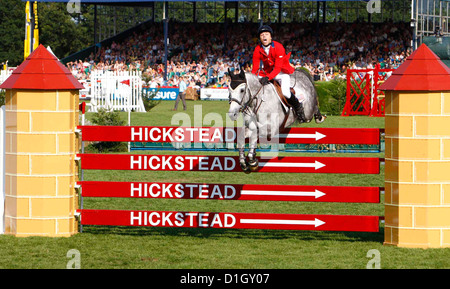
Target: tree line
point(65, 33)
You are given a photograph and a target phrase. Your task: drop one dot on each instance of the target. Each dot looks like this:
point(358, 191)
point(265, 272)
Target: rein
point(246, 105)
point(255, 111)
point(244, 108)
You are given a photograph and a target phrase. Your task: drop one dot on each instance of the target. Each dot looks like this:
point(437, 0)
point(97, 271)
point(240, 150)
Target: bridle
point(246, 105)
point(238, 101)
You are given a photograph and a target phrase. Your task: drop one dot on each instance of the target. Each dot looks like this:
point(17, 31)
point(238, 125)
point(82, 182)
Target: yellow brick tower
point(40, 145)
point(417, 172)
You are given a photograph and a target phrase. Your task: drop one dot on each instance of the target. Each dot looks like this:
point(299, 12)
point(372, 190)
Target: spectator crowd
point(205, 52)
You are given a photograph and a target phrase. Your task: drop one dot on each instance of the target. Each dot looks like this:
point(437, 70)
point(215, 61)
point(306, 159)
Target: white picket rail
point(2, 170)
point(4, 74)
point(116, 91)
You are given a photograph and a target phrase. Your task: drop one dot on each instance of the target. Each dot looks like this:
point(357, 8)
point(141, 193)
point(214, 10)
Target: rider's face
point(266, 38)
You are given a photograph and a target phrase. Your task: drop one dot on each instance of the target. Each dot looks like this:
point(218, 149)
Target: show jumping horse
point(264, 113)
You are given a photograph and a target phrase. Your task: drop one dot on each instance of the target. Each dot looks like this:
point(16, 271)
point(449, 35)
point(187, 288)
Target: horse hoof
point(245, 167)
point(254, 165)
point(322, 119)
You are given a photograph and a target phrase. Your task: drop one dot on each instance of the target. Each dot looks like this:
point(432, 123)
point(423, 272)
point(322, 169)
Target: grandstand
point(203, 39)
point(338, 44)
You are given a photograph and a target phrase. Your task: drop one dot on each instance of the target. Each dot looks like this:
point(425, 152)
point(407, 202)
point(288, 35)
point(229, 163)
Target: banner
point(164, 93)
point(214, 94)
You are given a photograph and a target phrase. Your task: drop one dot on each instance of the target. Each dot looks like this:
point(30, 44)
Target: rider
point(271, 62)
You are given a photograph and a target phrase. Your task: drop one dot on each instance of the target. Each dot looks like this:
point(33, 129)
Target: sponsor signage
point(230, 220)
point(369, 136)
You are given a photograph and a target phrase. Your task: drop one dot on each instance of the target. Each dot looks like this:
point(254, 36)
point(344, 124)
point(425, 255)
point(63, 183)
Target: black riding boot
point(297, 107)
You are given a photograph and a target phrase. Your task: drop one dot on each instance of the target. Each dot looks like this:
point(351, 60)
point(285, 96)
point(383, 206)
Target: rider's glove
point(264, 80)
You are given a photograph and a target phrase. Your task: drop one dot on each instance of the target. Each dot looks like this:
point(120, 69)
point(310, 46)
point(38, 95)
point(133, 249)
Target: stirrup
point(301, 119)
point(300, 116)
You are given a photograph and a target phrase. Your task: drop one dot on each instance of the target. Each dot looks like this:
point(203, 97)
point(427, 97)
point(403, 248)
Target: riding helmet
point(265, 28)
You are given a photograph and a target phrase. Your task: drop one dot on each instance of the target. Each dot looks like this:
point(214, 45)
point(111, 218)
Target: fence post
point(41, 115)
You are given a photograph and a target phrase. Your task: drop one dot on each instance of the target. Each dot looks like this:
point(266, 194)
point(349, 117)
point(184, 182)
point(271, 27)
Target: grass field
point(131, 247)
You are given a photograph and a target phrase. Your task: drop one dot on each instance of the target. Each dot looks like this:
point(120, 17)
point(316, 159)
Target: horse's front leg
point(240, 145)
point(252, 160)
point(253, 141)
point(242, 160)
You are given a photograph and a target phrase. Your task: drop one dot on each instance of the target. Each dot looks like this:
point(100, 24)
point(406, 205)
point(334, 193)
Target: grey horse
point(263, 113)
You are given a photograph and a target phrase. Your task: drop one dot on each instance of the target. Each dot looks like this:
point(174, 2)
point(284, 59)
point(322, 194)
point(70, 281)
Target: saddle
point(280, 94)
point(283, 100)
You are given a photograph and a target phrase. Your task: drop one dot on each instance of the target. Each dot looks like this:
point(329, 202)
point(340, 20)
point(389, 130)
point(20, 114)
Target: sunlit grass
point(145, 247)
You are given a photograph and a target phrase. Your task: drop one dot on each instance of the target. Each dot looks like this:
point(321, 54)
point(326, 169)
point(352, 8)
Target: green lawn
point(133, 247)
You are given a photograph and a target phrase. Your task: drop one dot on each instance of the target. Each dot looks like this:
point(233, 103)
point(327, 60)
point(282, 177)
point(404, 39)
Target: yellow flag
point(31, 29)
point(27, 51)
point(36, 27)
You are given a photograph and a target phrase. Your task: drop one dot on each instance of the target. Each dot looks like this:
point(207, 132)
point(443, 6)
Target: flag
point(127, 82)
point(36, 27)
point(31, 29)
point(27, 49)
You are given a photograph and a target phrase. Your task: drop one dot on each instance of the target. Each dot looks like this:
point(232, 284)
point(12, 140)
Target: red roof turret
point(422, 71)
point(41, 70)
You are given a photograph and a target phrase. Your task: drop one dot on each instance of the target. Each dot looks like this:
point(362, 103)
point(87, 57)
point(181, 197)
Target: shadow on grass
point(212, 233)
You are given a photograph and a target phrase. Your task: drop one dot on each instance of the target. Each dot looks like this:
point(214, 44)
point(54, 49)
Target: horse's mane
point(251, 77)
point(252, 82)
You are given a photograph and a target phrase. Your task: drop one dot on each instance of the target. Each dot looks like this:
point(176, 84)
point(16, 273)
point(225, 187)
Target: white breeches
point(285, 83)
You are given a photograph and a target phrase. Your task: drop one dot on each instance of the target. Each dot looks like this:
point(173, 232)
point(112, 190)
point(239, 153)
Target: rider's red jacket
point(277, 61)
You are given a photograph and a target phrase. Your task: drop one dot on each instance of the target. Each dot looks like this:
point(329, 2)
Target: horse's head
point(238, 88)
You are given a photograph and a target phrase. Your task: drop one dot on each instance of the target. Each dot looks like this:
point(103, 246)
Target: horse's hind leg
point(318, 117)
